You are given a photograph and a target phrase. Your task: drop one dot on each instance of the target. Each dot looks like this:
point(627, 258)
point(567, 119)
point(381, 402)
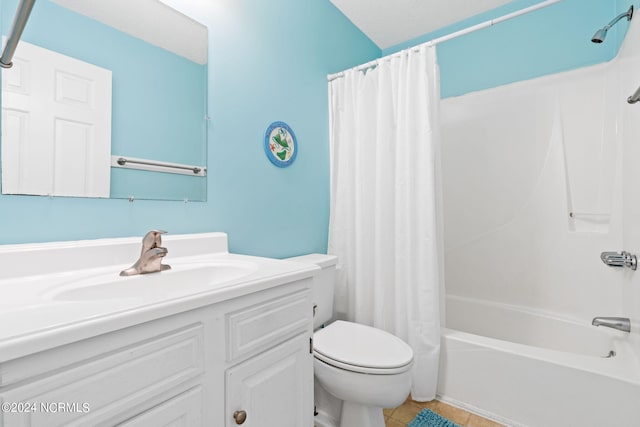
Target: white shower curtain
point(384, 130)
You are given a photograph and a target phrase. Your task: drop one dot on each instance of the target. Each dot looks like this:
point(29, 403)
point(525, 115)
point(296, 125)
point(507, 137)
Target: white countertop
point(43, 310)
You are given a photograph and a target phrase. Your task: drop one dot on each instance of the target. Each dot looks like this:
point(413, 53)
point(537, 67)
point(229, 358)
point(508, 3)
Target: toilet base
point(357, 415)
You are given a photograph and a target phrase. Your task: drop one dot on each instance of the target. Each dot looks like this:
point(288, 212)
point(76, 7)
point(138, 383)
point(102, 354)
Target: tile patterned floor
point(402, 415)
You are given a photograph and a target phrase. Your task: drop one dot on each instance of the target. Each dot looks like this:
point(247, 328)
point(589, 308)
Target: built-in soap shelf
point(589, 215)
point(589, 222)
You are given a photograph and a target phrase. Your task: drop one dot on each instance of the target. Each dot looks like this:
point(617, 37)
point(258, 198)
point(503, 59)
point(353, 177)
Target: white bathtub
point(527, 368)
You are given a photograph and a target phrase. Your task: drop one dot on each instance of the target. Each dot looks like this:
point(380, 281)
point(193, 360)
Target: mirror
point(145, 59)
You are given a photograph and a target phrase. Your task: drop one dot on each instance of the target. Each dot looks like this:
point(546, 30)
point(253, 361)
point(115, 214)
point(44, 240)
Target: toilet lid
point(361, 348)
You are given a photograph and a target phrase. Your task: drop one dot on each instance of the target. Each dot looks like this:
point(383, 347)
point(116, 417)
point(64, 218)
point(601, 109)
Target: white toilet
point(367, 368)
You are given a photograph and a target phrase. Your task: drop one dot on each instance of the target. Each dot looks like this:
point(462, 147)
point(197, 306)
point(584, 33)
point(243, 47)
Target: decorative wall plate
point(280, 144)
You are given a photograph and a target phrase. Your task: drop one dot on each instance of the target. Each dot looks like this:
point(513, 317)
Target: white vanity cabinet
point(246, 355)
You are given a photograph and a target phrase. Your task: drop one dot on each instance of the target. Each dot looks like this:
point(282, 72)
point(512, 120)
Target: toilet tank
point(323, 285)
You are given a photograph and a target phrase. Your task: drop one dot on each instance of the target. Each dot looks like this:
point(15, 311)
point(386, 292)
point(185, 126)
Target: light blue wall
point(268, 62)
point(271, 59)
point(547, 41)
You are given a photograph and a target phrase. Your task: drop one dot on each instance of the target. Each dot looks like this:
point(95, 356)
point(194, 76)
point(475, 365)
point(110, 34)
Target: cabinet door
point(274, 388)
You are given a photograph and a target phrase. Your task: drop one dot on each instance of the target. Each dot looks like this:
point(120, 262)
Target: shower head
point(600, 35)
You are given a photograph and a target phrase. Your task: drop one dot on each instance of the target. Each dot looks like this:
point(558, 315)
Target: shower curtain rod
point(20, 20)
point(453, 35)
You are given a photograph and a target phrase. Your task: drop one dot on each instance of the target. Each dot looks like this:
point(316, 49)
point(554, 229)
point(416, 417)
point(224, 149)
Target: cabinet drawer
point(99, 390)
point(264, 325)
point(184, 410)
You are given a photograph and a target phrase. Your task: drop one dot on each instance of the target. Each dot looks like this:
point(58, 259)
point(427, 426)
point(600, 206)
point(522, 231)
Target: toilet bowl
point(366, 368)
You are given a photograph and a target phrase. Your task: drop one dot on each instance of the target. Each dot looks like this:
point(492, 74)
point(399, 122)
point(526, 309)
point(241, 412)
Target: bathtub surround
point(550, 148)
point(383, 211)
point(517, 160)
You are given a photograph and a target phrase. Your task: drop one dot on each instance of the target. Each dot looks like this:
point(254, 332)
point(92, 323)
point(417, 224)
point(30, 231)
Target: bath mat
point(427, 418)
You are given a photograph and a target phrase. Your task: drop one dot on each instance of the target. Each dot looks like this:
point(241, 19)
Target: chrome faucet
point(151, 256)
point(619, 323)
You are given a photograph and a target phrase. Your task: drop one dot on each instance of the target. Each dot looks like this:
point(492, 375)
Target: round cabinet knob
point(240, 417)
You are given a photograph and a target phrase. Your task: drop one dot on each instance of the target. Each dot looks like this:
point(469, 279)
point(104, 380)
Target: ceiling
point(390, 22)
point(150, 20)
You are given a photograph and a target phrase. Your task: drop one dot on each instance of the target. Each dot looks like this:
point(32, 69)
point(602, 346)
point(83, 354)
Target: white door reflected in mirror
point(56, 125)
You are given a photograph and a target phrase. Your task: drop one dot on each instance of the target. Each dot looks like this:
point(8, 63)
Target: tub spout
point(619, 323)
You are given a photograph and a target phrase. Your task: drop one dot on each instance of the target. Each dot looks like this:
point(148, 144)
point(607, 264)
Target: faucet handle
point(622, 259)
point(152, 239)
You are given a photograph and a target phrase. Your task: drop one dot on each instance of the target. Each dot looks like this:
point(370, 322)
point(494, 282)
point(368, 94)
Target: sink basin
point(181, 280)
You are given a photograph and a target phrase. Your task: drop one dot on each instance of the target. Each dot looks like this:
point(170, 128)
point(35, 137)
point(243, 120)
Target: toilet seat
point(363, 349)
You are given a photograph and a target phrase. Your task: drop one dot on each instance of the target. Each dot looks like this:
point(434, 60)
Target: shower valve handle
point(622, 259)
